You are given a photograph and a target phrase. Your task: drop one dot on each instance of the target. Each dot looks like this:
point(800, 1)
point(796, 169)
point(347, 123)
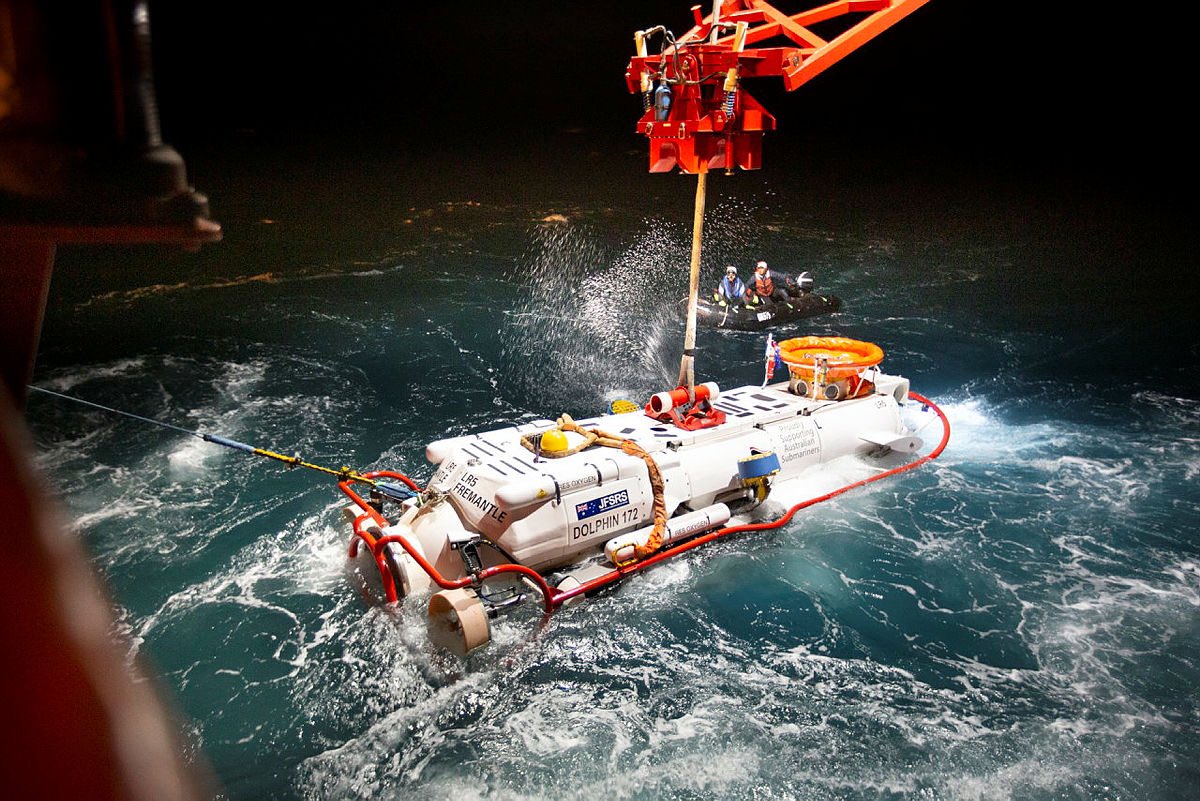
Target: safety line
point(344, 473)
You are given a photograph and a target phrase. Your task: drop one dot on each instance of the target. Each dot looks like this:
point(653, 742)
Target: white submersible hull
point(553, 509)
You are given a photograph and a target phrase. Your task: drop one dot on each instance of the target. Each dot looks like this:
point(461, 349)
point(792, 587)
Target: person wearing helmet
point(731, 289)
point(768, 285)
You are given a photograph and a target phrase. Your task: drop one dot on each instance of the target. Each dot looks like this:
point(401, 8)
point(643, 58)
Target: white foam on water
point(60, 452)
point(713, 772)
point(641, 693)
point(1086, 635)
point(979, 434)
point(543, 728)
point(190, 459)
point(353, 768)
point(68, 380)
point(1028, 775)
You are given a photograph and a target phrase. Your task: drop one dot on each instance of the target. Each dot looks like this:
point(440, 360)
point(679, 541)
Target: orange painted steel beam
point(850, 40)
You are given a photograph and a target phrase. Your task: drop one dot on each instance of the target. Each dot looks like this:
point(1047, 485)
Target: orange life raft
point(843, 357)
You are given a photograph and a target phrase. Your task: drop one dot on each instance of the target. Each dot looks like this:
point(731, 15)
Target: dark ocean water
point(1020, 619)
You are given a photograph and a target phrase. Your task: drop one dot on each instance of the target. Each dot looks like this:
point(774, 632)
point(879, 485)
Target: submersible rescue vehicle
point(558, 509)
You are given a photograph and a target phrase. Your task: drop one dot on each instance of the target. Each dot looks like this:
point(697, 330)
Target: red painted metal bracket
point(696, 114)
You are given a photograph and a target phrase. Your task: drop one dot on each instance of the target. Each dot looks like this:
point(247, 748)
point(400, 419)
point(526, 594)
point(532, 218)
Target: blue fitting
point(662, 102)
point(758, 466)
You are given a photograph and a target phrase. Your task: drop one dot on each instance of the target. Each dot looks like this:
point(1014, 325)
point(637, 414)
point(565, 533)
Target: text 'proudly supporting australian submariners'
point(463, 490)
point(797, 439)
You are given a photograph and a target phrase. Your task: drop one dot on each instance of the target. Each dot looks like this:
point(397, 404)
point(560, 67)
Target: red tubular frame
point(376, 545)
point(389, 586)
point(552, 598)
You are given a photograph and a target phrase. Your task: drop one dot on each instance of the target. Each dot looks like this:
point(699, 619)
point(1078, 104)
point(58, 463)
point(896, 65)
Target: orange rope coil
point(659, 505)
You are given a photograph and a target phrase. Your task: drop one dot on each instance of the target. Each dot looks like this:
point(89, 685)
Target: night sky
point(982, 85)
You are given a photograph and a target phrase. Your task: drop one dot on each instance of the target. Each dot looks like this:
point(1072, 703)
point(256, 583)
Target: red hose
point(379, 519)
point(600, 581)
point(552, 598)
point(412, 485)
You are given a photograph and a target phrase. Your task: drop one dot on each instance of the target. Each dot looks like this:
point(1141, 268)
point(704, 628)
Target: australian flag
point(773, 358)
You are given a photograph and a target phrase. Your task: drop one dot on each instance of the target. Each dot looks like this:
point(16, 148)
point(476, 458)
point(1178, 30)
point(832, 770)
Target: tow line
point(344, 474)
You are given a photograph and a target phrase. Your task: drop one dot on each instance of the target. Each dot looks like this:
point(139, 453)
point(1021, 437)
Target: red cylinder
point(665, 401)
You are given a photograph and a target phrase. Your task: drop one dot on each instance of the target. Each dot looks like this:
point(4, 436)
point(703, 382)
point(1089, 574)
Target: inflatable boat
point(758, 314)
point(715, 313)
point(556, 509)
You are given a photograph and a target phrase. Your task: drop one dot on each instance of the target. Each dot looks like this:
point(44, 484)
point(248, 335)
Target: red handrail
point(488, 572)
point(376, 545)
point(369, 512)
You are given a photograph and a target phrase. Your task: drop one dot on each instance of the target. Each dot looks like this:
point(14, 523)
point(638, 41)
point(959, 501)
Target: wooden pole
point(687, 370)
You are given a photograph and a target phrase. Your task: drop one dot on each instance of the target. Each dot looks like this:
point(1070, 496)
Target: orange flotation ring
point(844, 357)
